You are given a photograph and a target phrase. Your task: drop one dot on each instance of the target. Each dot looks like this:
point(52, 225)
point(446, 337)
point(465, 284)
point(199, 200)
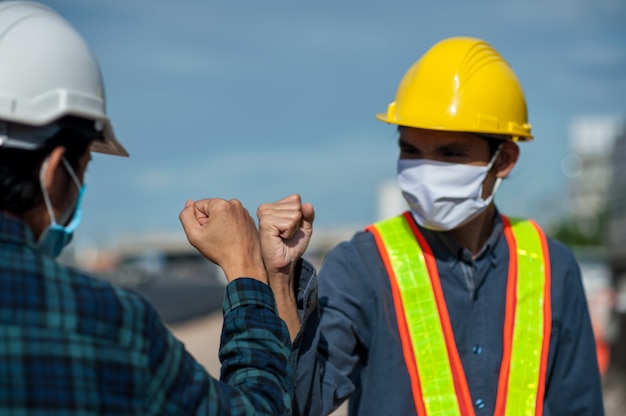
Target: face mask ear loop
point(44, 191)
point(69, 169)
point(498, 181)
point(496, 185)
point(81, 190)
point(494, 157)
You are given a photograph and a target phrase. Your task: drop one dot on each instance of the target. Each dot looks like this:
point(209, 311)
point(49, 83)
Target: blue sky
point(255, 100)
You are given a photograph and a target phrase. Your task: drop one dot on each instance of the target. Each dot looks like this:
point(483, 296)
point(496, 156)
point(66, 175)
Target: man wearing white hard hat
point(72, 344)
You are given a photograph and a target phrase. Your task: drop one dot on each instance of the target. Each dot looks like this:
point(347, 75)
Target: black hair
point(494, 142)
point(20, 189)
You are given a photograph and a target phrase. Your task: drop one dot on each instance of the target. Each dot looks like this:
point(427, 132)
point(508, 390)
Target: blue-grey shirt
point(349, 346)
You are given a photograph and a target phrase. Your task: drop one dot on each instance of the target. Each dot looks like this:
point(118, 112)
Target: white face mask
point(443, 196)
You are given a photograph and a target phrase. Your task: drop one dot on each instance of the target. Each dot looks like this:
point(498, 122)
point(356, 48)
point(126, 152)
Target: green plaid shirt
point(71, 344)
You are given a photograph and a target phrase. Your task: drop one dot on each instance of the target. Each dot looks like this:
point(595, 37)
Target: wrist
point(284, 287)
point(281, 281)
point(256, 273)
point(286, 302)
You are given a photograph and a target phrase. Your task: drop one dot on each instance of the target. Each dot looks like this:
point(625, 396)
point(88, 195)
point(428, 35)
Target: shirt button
point(479, 403)
point(477, 349)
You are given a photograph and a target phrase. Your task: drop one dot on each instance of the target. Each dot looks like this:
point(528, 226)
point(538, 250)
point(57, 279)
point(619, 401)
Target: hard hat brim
point(110, 145)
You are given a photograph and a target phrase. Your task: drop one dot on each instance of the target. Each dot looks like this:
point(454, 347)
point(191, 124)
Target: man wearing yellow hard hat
point(452, 308)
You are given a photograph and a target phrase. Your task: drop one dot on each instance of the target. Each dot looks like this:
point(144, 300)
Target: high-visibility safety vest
point(438, 381)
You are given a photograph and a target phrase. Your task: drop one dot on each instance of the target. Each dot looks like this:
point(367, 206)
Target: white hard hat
point(47, 72)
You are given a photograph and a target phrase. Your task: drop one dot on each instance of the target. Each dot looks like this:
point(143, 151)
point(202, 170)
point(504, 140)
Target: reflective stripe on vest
point(438, 381)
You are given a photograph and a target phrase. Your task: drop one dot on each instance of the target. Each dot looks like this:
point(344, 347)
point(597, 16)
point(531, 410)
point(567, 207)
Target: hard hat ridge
point(461, 84)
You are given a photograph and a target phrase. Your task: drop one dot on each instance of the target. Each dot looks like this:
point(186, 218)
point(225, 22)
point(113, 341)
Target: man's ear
point(504, 164)
point(54, 162)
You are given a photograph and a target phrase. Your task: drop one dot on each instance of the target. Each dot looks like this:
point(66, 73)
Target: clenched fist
point(225, 233)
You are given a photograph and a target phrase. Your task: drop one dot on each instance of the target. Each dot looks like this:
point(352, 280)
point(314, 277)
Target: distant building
point(591, 143)
point(596, 166)
point(616, 229)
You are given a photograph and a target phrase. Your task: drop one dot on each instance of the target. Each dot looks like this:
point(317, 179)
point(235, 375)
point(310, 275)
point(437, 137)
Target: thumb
point(187, 213)
point(308, 215)
point(187, 217)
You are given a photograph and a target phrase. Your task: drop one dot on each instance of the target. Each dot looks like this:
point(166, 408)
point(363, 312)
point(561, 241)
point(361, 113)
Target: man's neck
point(34, 218)
point(475, 233)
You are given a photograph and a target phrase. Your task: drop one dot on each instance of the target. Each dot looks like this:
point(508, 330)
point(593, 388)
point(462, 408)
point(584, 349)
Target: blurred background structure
point(257, 100)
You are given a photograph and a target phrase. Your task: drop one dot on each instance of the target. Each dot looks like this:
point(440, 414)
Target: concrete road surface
point(180, 300)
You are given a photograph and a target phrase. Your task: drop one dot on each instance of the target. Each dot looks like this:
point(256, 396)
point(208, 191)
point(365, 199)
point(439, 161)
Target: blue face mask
point(56, 236)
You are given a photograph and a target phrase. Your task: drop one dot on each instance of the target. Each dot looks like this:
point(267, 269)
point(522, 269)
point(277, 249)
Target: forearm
point(255, 349)
point(287, 305)
point(295, 294)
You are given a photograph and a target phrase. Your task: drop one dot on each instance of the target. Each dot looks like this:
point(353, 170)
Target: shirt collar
point(445, 246)
point(16, 230)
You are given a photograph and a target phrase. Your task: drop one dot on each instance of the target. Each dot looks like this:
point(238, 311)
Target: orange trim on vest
point(460, 384)
point(547, 327)
point(509, 313)
point(405, 337)
point(511, 302)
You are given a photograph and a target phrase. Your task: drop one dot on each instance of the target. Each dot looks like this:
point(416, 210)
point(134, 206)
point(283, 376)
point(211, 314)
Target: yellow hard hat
point(461, 84)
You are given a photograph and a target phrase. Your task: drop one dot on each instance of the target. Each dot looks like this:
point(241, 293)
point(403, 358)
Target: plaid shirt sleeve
point(256, 376)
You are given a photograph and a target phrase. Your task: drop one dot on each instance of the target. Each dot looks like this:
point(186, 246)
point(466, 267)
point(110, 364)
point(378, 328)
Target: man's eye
point(454, 154)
